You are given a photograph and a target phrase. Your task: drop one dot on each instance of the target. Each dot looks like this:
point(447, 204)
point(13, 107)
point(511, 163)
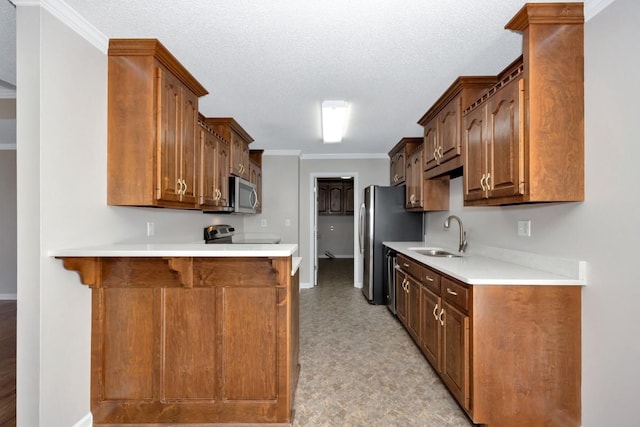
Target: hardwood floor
point(8, 363)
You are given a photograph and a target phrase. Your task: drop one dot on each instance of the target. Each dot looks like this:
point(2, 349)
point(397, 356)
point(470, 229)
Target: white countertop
point(178, 250)
point(493, 267)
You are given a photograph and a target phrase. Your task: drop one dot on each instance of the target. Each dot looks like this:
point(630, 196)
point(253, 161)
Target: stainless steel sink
point(436, 252)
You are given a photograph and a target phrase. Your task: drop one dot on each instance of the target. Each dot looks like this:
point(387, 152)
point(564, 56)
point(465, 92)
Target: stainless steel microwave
point(243, 196)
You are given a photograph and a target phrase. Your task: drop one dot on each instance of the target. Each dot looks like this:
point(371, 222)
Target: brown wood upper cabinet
point(214, 166)
point(239, 141)
point(153, 141)
point(423, 195)
point(335, 196)
point(443, 124)
point(524, 137)
point(398, 159)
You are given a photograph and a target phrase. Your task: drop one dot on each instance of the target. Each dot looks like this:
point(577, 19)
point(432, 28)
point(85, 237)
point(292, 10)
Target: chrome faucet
point(463, 235)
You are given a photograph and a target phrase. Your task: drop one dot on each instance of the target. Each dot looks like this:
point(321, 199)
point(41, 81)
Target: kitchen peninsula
point(191, 333)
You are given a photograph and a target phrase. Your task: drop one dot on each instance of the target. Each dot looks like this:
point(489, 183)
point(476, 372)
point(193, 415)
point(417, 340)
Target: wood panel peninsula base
point(204, 340)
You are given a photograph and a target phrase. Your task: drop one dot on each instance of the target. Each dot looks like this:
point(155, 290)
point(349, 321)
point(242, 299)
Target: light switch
point(524, 228)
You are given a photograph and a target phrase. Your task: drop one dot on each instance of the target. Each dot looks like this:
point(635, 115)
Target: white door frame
point(313, 220)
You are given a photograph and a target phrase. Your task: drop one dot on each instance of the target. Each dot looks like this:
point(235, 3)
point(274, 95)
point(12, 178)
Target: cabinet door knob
point(441, 317)
point(435, 312)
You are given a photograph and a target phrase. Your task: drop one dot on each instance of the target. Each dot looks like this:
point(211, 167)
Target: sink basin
point(435, 252)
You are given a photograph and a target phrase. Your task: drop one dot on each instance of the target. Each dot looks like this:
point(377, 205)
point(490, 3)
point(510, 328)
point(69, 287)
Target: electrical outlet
point(263, 223)
point(150, 229)
point(524, 228)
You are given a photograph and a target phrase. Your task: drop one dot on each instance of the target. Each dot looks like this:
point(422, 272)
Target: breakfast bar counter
point(191, 333)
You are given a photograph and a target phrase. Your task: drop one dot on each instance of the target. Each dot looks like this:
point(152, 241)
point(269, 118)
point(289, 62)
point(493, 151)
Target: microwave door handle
point(254, 194)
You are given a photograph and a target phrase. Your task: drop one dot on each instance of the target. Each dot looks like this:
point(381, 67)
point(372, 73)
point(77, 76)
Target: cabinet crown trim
point(456, 87)
point(153, 47)
point(546, 13)
point(232, 124)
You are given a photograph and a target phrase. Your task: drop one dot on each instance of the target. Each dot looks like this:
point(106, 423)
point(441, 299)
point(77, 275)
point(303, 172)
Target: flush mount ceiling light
point(334, 120)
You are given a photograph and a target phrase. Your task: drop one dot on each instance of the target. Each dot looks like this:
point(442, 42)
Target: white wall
point(335, 234)
point(280, 196)
point(372, 171)
point(8, 261)
point(599, 230)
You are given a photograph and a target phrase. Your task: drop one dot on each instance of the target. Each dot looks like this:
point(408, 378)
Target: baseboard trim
point(86, 421)
point(8, 297)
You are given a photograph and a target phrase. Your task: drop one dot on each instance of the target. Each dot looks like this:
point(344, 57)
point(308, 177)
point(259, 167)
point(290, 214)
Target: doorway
point(335, 237)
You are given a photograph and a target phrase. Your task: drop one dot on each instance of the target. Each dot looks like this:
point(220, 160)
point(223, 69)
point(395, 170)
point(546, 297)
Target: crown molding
point(594, 7)
point(295, 153)
point(65, 13)
point(346, 156)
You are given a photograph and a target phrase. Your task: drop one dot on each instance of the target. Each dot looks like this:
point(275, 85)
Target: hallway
point(358, 365)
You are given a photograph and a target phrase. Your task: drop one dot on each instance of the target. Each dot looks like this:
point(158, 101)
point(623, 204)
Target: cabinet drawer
point(455, 293)
point(431, 279)
point(410, 266)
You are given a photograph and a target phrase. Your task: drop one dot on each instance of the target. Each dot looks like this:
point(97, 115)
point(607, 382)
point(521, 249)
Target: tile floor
point(358, 365)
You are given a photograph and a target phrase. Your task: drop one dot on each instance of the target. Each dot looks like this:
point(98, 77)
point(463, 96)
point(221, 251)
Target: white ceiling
point(269, 64)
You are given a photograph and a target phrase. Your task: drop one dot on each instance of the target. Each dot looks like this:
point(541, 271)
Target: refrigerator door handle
point(361, 229)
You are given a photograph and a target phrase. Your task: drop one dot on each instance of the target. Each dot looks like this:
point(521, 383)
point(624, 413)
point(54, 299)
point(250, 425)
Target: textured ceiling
point(269, 64)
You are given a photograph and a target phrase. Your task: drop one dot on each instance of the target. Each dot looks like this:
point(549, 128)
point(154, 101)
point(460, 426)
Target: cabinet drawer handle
point(405, 265)
point(428, 278)
point(441, 317)
point(449, 291)
point(435, 312)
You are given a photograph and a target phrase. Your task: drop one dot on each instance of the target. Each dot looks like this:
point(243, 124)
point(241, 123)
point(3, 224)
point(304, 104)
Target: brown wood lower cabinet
point(509, 354)
point(192, 340)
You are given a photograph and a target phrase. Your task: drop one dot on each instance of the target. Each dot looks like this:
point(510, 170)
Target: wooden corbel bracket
point(87, 267)
point(184, 267)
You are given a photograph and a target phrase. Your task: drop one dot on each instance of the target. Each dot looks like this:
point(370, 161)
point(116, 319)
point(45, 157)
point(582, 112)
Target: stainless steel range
point(223, 233)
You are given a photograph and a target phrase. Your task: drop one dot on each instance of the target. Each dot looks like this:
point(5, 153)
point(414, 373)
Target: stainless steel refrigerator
point(383, 218)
